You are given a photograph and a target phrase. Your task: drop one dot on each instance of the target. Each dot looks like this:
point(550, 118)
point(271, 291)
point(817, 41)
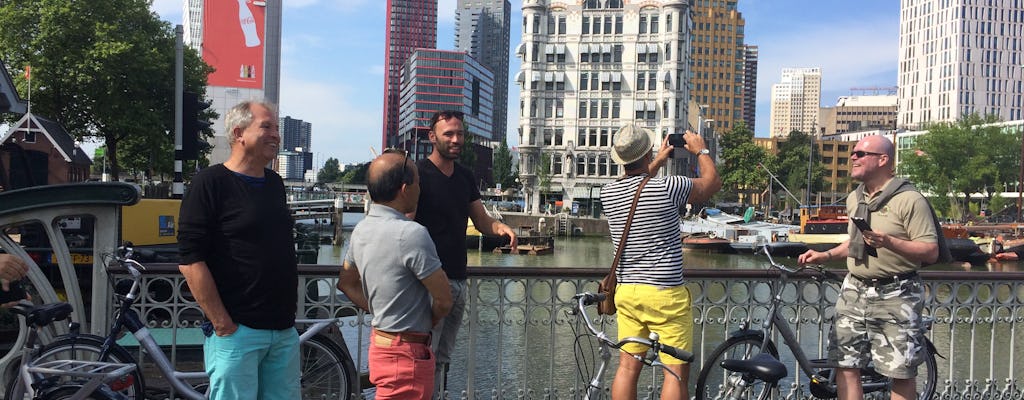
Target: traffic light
point(192, 126)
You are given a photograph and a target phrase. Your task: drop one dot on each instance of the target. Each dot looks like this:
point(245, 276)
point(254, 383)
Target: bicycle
point(594, 385)
point(327, 370)
point(747, 366)
point(60, 379)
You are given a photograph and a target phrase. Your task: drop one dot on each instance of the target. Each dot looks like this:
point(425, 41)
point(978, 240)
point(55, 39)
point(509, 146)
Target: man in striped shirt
point(650, 295)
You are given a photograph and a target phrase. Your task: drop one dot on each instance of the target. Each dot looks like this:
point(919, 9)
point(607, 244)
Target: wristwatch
point(703, 151)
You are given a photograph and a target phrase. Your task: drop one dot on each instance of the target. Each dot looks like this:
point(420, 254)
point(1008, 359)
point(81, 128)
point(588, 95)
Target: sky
point(332, 63)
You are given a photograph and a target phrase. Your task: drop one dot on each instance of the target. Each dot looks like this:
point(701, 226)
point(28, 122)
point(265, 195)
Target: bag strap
point(629, 221)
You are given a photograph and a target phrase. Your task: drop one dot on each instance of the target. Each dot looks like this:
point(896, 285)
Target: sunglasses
point(406, 176)
point(445, 115)
point(862, 154)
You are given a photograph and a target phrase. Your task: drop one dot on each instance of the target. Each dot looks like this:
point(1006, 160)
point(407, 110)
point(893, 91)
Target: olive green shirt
point(906, 216)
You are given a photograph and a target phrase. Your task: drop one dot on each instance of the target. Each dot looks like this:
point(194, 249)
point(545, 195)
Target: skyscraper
point(750, 86)
point(412, 24)
point(796, 101)
point(482, 30)
point(242, 40)
point(588, 68)
point(959, 57)
point(719, 62)
point(295, 134)
point(435, 80)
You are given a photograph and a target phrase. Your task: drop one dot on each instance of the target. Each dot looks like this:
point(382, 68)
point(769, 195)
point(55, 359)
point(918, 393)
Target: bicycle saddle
point(763, 366)
point(40, 316)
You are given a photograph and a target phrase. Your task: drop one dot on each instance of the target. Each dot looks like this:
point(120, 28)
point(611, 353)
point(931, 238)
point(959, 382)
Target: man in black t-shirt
point(448, 196)
point(238, 257)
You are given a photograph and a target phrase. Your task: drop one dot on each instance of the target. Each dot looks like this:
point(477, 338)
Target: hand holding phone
point(861, 224)
point(676, 140)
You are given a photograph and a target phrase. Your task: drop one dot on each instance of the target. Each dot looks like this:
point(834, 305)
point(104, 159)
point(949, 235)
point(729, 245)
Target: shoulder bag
point(607, 285)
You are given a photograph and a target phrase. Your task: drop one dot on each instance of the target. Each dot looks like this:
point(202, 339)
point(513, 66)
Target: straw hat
point(631, 143)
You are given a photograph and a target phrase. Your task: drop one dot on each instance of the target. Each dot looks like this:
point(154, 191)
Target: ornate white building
point(588, 68)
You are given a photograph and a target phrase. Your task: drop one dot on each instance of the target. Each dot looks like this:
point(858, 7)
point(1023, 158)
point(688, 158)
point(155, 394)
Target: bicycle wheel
point(69, 392)
point(327, 370)
point(715, 382)
point(87, 347)
point(927, 374)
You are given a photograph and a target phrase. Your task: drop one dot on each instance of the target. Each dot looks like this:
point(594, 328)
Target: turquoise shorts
point(253, 364)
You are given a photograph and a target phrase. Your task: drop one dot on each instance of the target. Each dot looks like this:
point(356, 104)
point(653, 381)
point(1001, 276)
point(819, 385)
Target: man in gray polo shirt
point(392, 271)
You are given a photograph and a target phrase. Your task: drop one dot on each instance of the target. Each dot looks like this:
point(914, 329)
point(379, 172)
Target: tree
point(740, 159)
point(543, 172)
point(503, 173)
point(330, 173)
point(356, 174)
point(791, 163)
point(103, 69)
point(955, 160)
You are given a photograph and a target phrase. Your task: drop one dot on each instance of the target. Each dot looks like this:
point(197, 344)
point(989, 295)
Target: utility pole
point(178, 188)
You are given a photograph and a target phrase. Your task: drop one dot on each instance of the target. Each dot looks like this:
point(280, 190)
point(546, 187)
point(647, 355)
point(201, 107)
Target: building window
point(586, 25)
point(643, 24)
point(30, 137)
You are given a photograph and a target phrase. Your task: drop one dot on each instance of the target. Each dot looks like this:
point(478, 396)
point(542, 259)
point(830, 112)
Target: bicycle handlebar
point(819, 270)
point(587, 299)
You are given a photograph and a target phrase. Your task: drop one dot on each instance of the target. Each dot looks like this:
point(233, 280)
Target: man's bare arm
point(489, 226)
point(204, 289)
point(352, 285)
point(440, 294)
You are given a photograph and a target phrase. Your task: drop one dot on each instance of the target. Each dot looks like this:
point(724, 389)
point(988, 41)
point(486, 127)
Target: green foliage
point(740, 159)
point(957, 159)
point(503, 172)
point(543, 172)
point(791, 164)
point(330, 173)
point(103, 69)
point(356, 174)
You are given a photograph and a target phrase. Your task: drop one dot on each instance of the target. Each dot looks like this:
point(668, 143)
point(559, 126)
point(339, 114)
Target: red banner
point(233, 37)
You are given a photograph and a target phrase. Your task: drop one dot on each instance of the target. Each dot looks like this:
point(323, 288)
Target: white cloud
point(346, 122)
point(168, 10)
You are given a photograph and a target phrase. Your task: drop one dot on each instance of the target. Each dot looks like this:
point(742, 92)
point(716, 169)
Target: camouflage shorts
point(880, 323)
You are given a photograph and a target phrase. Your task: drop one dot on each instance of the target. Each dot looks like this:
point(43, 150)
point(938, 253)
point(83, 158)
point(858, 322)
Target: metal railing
point(517, 342)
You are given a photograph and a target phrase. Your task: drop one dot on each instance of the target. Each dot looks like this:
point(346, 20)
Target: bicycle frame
point(127, 318)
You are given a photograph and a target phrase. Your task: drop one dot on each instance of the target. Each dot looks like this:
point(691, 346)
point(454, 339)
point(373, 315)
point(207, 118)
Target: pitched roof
point(9, 99)
point(55, 133)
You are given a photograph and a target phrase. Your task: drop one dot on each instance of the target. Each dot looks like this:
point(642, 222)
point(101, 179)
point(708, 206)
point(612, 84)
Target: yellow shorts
point(646, 308)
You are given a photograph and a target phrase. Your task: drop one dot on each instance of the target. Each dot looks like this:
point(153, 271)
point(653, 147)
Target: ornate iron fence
point(517, 341)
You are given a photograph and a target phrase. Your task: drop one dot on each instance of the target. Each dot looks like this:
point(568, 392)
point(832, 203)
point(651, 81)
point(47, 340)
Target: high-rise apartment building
point(295, 157)
point(438, 80)
point(482, 30)
point(412, 24)
point(242, 41)
point(718, 61)
point(796, 101)
point(859, 113)
point(589, 68)
point(960, 57)
point(750, 86)
point(296, 134)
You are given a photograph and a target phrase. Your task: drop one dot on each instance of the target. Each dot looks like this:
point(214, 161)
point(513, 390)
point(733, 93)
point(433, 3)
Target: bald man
point(392, 271)
point(878, 312)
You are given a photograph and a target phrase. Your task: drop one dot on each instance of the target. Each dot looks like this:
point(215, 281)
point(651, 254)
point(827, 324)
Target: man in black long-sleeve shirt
point(238, 256)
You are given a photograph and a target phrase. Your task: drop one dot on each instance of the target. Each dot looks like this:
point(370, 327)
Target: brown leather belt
point(409, 337)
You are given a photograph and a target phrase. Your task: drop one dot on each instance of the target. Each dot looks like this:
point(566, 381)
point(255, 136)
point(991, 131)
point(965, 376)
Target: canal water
point(597, 252)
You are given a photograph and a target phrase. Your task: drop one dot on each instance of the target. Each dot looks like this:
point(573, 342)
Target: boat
point(742, 232)
point(822, 227)
point(705, 242)
point(529, 242)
